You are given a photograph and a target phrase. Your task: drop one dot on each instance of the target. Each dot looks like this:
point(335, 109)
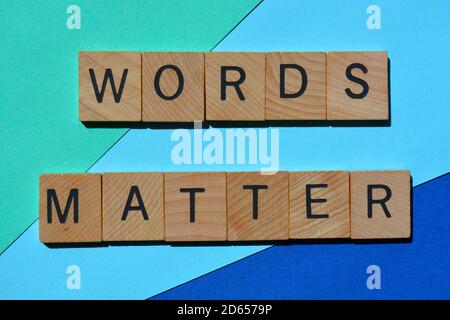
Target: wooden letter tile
point(70, 208)
point(109, 86)
point(357, 86)
point(133, 206)
point(173, 86)
point(195, 206)
point(319, 205)
point(257, 206)
point(302, 95)
point(380, 204)
point(235, 85)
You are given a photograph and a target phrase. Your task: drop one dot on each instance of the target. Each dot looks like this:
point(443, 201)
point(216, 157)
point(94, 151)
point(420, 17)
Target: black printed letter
point(180, 82)
point(382, 202)
point(192, 192)
point(255, 189)
point(351, 77)
point(309, 201)
point(224, 83)
point(73, 196)
point(140, 207)
point(304, 82)
point(108, 75)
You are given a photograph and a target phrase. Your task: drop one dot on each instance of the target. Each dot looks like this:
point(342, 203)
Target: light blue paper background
point(416, 35)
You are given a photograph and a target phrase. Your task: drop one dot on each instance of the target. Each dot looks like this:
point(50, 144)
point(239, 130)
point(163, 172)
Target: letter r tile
point(380, 204)
point(257, 206)
point(195, 206)
point(235, 86)
point(70, 208)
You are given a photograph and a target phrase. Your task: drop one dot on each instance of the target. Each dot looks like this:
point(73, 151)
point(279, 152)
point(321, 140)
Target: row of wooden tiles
point(218, 206)
point(232, 86)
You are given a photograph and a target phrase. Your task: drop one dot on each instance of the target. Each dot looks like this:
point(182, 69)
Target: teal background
point(40, 131)
point(415, 34)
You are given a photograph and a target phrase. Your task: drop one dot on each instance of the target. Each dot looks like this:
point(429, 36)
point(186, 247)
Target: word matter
point(232, 86)
point(220, 206)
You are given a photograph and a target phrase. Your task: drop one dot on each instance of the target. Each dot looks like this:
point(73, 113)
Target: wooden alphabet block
point(257, 206)
point(319, 205)
point(380, 204)
point(70, 208)
point(235, 85)
point(109, 86)
point(173, 86)
point(296, 87)
point(357, 86)
point(133, 206)
point(195, 206)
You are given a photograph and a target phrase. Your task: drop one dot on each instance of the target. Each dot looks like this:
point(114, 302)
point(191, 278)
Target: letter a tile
point(133, 206)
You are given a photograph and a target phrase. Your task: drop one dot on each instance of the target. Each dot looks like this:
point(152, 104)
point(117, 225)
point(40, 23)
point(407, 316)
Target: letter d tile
point(296, 86)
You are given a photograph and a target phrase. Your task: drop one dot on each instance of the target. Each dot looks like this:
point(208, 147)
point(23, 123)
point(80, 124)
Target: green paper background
point(40, 131)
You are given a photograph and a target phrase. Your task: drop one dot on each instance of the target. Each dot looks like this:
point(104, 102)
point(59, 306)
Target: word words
point(219, 206)
point(232, 86)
